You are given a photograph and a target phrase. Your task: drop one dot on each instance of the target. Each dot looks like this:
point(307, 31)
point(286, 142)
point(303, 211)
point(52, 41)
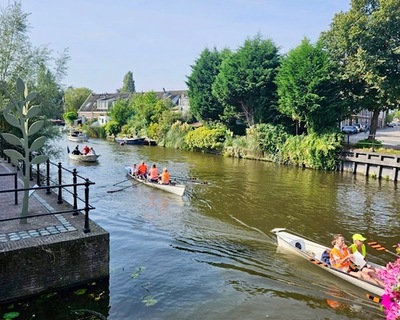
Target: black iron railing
point(44, 174)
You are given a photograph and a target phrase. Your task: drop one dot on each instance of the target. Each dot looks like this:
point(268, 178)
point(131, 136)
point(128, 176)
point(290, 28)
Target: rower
point(142, 170)
point(165, 177)
point(153, 174)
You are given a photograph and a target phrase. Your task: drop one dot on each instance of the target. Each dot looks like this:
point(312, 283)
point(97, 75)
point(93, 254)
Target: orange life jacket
point(165, 178)
point(142, 169)
point(341, 254)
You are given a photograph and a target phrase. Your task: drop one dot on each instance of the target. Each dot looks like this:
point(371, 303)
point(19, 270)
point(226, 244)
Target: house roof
point(91, 103)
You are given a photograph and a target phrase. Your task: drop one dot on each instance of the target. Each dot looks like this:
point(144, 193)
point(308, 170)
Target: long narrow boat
point(177, 189)
point(84, 158)
point(130, 141)
point(312, 252)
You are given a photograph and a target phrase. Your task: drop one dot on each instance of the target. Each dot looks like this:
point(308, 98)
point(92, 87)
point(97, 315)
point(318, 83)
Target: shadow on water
point(210, 254)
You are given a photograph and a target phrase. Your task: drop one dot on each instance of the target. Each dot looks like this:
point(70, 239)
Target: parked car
point(350, 129)
point(391, 125)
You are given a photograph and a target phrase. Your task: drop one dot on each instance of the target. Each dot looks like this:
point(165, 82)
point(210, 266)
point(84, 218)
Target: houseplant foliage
point(18, 114)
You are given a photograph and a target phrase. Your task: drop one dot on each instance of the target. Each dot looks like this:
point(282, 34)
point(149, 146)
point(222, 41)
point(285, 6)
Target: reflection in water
point(210, 254)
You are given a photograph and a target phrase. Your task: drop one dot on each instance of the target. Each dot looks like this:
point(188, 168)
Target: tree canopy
point(308, 91)
point(365, 43)
point(246, 80)
point(75, 97)
point(203, 104)
point(129, 83)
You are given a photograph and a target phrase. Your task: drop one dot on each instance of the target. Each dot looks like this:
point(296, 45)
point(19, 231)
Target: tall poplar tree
point(129, 83)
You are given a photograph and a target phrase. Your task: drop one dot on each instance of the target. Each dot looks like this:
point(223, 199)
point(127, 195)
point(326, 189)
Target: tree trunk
point(374, 125)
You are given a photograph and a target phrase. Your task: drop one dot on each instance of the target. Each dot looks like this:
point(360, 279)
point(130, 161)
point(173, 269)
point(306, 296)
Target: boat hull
point(177, 189)
point(84, 158)
point(312, 252)
point(130, 141)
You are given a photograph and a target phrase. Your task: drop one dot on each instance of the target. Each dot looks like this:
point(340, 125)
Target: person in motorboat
point(142, 170)
point(153, 174)
point(91, 151)
point(76, 151)
point(165, 178)
point(342, 259)
point(85, 150)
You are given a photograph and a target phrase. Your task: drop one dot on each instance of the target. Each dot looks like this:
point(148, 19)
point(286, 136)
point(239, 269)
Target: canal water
point(210, 254)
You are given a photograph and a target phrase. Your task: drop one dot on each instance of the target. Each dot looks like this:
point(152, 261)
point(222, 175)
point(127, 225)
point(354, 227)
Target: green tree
point(246, 80)
point(121, 112)
point(50, 94)
point(307, 89)
point(129, 83)
point(203, 105)
point(365, 44)
point(75, 97)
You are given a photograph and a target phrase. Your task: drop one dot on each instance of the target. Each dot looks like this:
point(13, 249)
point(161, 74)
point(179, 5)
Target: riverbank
point(44, 243)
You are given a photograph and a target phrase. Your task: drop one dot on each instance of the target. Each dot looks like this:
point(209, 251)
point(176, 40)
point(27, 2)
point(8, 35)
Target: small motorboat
point(177, 189)
point(84, 158)
point(312, 252)
point(77, 136)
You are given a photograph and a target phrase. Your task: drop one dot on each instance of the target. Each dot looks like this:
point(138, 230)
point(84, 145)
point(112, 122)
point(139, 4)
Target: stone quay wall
point(372, 164)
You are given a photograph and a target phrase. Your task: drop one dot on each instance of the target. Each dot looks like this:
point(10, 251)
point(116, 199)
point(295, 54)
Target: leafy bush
point(111, 127)
point(206, 138)
point(175, 137)
point(368, 144)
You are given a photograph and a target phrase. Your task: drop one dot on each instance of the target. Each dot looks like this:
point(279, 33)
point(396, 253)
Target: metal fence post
point(48, 176)
point(74, 181)
point(59, 201)
point(38, 174)
point(86, 229)
point(15, 187)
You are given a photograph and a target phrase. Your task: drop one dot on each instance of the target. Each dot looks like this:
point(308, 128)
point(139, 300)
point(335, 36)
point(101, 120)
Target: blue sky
point(158, 40)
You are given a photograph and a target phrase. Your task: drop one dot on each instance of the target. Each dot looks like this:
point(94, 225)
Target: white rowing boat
point(77, 136)
point(84, 158)
point(313, 251)
point(177, 189)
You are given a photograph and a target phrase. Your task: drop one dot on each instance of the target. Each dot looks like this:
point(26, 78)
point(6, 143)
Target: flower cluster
point(391, 297)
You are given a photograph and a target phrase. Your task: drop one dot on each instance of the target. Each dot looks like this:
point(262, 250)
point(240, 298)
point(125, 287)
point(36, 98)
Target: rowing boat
point(177, 189)
point(313, 251)
point(84, 158)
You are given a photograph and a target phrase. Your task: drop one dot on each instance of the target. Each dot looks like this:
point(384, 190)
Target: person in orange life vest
point(342, 259)
point(165, 177)
point(142, 170)
point(153, 174)
point(85, 150)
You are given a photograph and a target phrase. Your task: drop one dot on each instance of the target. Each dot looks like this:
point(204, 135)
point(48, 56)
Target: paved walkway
point(39, 203)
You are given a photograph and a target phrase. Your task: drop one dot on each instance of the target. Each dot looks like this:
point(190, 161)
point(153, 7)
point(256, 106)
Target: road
point(390, 137)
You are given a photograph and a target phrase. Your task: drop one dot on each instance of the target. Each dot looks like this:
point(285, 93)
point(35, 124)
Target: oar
point(374, 298)
point(379, 247)
point(115, 184)
point(112, 191)
point(195, 181)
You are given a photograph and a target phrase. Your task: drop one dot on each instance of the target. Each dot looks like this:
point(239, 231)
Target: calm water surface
point(210, 254)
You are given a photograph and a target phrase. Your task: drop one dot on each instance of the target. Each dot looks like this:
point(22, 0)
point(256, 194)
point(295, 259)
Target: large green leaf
point(20, 86)
point(31, 96)
point(14, 155)
point(10, 138)
point(11, 119)
point(33, 111)
point(38, 143)
point(35, 127)
point(39, 159)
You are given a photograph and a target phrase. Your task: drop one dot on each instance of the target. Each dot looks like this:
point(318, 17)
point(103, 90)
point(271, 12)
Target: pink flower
point(391, 297)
